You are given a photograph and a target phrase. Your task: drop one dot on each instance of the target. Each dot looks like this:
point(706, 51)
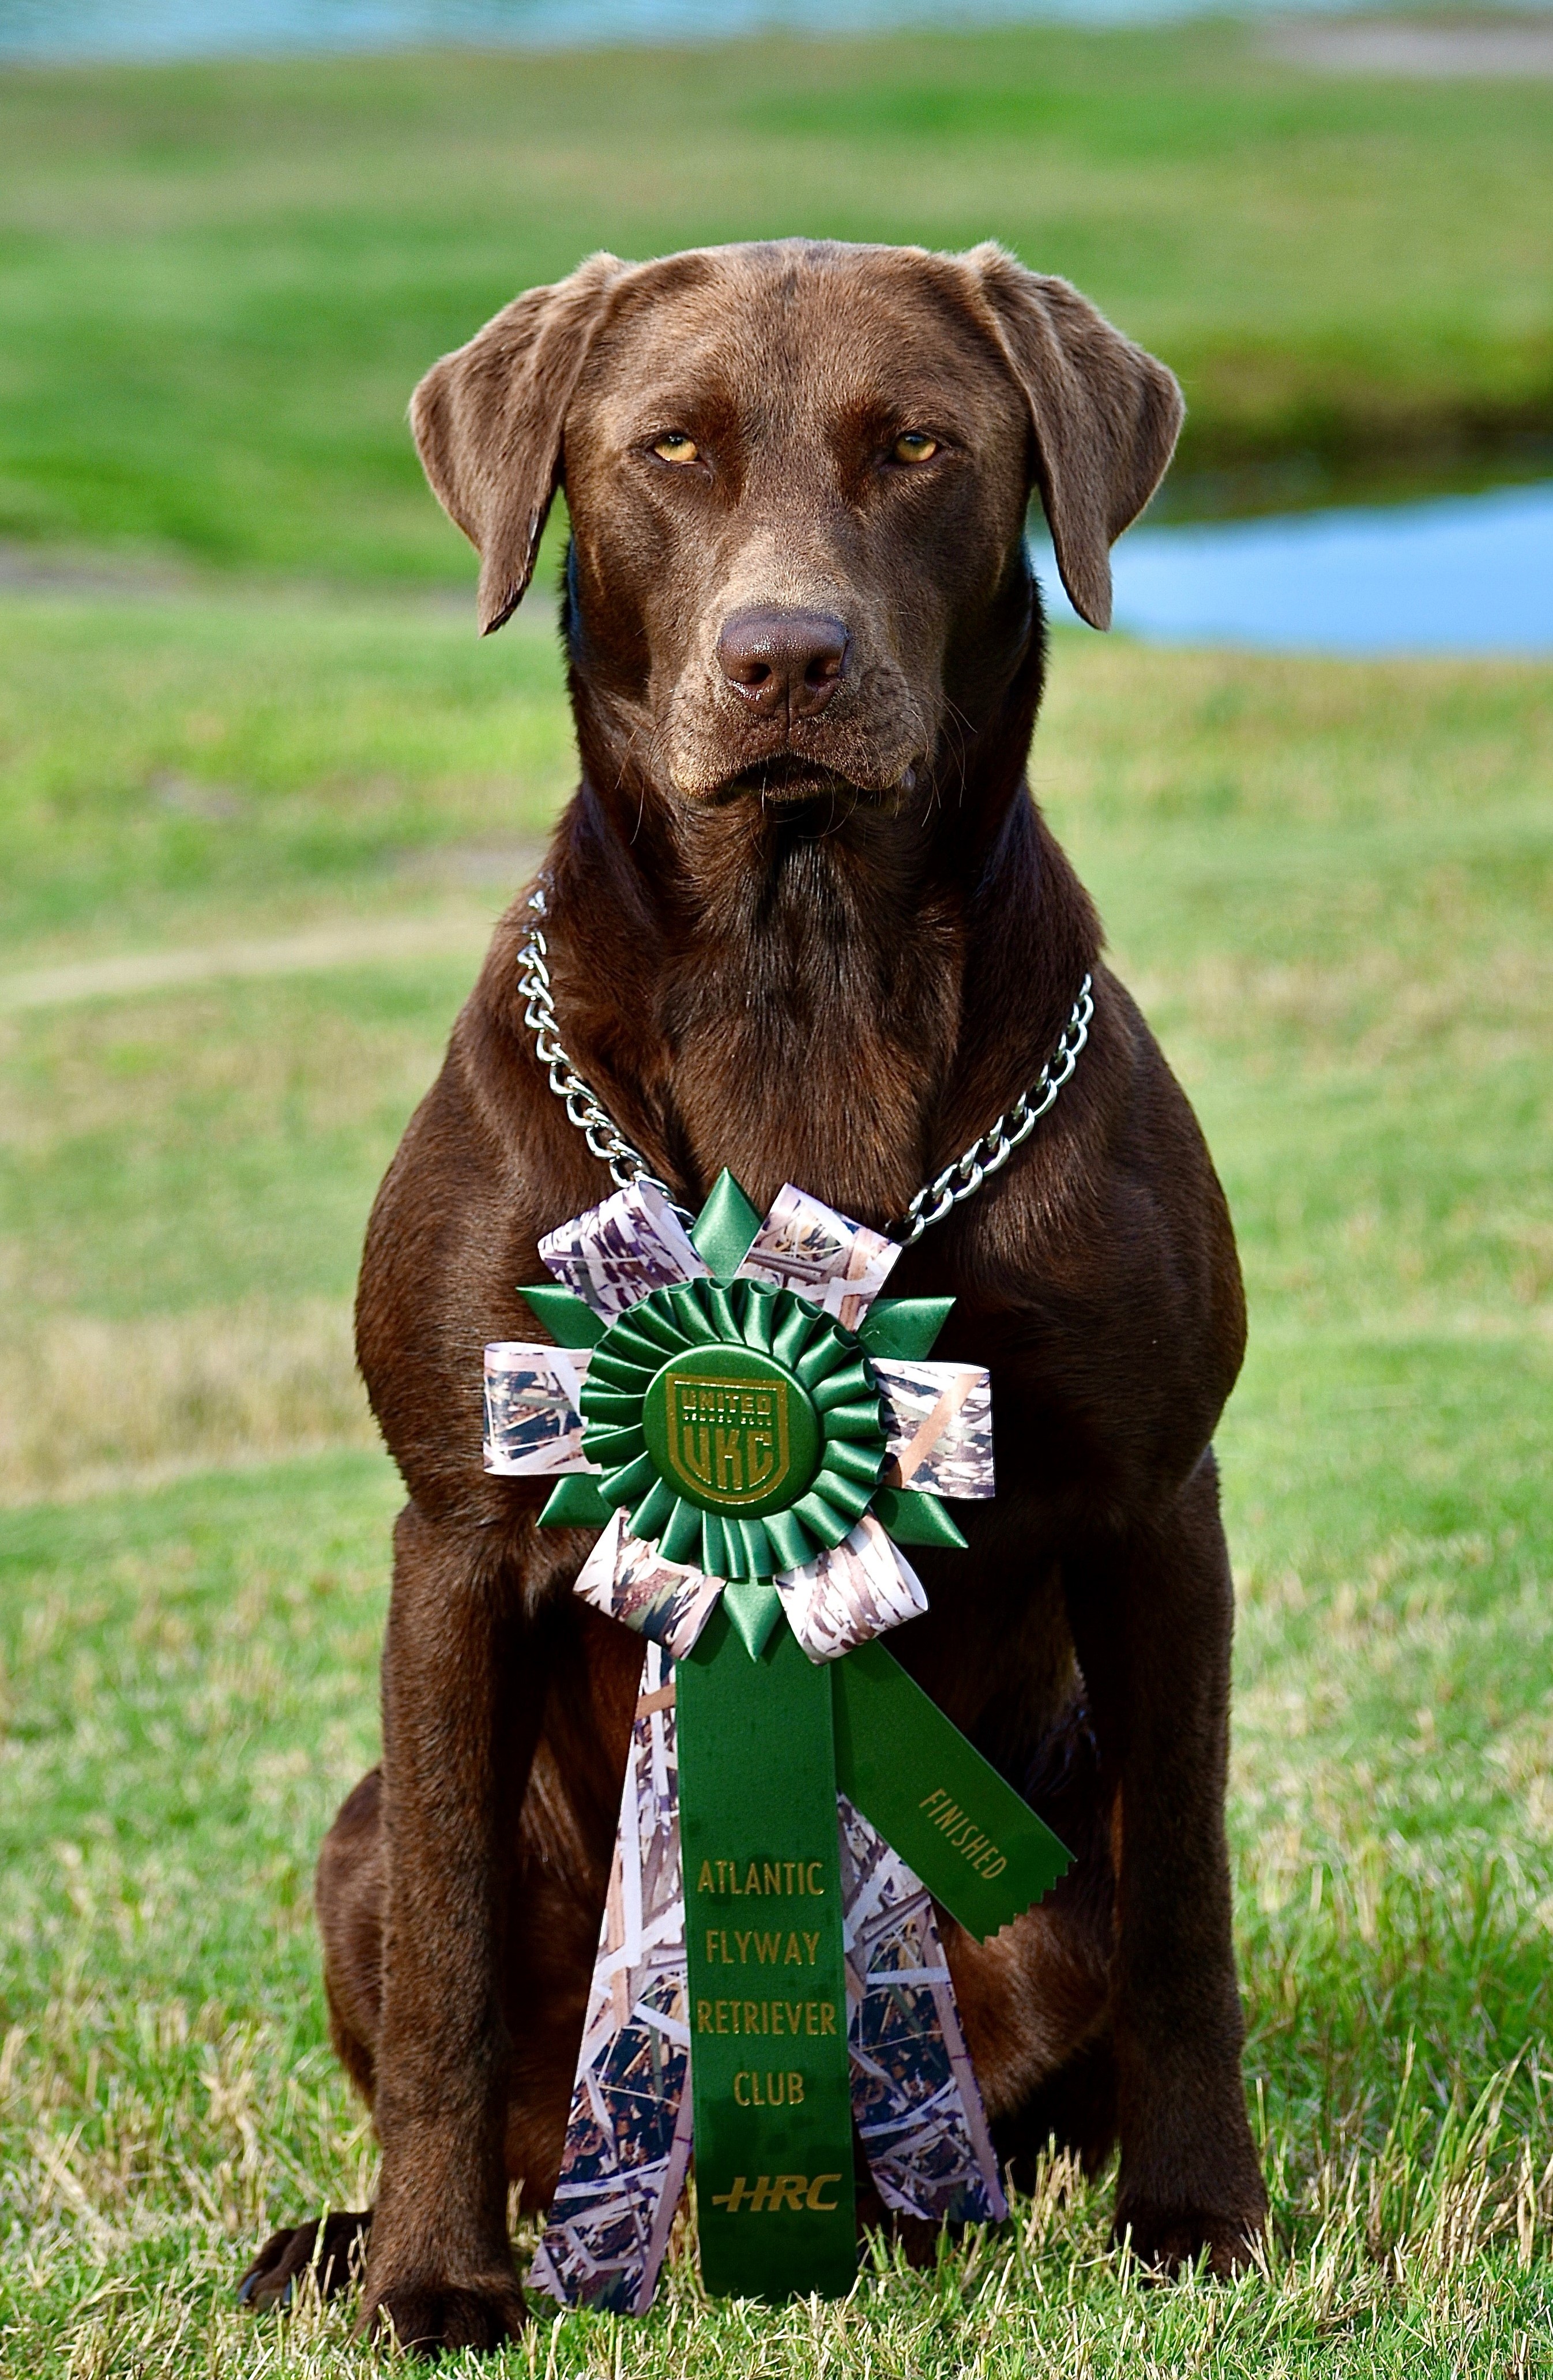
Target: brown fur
point(823, 941)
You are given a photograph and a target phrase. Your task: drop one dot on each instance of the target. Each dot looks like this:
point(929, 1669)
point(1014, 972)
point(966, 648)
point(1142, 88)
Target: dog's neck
point(840, 998)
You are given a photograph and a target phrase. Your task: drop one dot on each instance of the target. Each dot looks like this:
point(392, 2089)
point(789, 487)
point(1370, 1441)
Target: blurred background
point(262, 792)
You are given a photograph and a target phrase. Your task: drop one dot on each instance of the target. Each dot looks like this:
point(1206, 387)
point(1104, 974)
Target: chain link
point(987, 1155)
point(583, 1105)
point(937, 1199)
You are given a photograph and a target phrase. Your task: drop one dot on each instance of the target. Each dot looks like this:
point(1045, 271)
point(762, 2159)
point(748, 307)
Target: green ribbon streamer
point(767, 1981)
point(978, 1846)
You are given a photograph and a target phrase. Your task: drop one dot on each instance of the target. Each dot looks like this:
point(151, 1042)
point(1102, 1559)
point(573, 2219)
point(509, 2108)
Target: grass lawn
point(1331, 884)
point(174, 762)
point(218, 283)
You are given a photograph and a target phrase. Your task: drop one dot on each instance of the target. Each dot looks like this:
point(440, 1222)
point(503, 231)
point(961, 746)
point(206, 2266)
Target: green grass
point(1331, 884)
point(160, 761)
point(219, 283)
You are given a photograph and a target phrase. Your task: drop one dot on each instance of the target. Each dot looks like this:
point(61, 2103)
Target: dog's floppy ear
point(1106, 415)
point(488, 419)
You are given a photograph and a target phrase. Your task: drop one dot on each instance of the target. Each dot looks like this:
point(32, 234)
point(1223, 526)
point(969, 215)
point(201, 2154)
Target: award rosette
point(755, 1431)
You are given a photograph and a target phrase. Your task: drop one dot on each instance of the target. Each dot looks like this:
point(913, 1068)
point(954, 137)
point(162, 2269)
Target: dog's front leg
point(460, 1717)
point(1152, 1617)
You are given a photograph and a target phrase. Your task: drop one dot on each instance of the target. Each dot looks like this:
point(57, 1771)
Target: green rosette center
point(741, 1429)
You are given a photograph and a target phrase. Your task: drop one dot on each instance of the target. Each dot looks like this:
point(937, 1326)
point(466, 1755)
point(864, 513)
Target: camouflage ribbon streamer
point(629, 2134)
point(915, 2099)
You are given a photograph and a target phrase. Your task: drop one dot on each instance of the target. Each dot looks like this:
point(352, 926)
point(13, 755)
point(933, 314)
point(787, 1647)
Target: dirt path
point(319, 949)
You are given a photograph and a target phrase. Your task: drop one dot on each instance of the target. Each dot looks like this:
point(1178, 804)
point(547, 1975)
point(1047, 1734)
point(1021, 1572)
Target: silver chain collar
point(961, 1180)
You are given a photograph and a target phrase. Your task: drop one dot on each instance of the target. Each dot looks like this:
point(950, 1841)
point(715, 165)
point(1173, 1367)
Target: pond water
point(1457, 573)
point(167, 28)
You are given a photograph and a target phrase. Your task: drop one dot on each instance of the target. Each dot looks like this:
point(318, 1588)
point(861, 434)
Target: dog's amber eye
point(674, 446)
point(915, 446)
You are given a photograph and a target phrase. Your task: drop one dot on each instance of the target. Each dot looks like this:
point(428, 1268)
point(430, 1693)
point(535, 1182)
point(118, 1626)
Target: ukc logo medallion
point(731, 1430)
point(729, 1438)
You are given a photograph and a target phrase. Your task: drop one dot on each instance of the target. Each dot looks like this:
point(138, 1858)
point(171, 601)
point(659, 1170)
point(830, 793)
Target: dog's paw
point(335, 2261)
point(427, 2316)
point(1167, 2240)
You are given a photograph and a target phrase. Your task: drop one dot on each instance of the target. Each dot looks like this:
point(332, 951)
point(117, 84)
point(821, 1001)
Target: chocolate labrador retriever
point(804, 921)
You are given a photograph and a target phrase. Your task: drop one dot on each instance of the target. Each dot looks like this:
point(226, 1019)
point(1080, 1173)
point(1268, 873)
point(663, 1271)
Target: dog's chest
point(821, 1074)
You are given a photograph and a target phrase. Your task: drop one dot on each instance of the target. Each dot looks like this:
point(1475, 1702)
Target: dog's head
point(798, 475)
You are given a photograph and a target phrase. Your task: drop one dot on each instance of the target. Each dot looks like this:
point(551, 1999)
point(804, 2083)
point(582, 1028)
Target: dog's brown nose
point(783, 660)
